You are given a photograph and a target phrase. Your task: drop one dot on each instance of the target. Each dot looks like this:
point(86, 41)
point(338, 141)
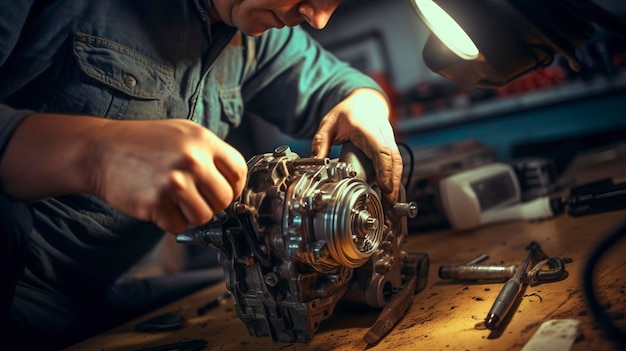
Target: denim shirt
point(138, 59)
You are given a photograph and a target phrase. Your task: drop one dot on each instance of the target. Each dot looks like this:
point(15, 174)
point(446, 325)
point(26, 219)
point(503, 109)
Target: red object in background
point(619, 59)
point(538, 80)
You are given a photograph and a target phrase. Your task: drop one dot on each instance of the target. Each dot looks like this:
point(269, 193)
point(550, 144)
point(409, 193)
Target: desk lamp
point(489, 43)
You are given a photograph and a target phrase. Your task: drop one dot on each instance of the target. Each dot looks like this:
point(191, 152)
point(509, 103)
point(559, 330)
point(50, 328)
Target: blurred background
point(556, 116)
point(553, 112)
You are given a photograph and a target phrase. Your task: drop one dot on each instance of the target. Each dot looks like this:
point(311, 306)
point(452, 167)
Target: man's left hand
point(363, 119)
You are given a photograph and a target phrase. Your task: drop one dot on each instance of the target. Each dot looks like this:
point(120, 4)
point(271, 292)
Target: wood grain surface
point(446, 315)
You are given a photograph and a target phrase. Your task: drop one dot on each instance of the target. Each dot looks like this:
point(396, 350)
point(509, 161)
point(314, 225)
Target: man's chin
point(251, 32)
point(255, 32)
point(258, 28)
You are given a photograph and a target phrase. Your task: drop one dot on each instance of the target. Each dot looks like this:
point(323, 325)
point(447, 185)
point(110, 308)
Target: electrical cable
point(411, 164)
point(604, 322)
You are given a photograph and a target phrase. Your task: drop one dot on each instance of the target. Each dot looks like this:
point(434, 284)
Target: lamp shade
point(513, 37)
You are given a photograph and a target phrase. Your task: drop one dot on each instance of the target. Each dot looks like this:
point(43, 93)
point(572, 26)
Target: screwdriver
point(507, 295)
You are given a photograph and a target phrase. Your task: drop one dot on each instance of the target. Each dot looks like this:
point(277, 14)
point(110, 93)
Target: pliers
point(537, 274)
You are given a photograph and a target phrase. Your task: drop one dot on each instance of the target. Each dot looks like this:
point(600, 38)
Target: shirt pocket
point(232, 105)
point(134, 85)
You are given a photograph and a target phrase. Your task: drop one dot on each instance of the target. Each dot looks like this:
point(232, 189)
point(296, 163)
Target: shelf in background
point(498, 107)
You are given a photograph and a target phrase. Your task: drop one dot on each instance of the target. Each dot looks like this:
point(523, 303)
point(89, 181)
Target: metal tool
point(477, 272)
point(507, 295)
point(392, 313)
point(555, 272)
point(471, 271)
point(538, 274)
point(401, 301)
point(212, 304)
point(477, 260)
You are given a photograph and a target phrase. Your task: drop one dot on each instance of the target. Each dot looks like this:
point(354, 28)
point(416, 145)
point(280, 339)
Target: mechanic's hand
point(363, 119)
point(171, 172)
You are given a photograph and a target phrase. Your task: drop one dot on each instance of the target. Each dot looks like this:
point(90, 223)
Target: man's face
point(253, 17)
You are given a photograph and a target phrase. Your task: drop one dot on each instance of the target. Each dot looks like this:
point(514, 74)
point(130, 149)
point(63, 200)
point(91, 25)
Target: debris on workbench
point(162, 322)
point(212, 304)
point(185, 345)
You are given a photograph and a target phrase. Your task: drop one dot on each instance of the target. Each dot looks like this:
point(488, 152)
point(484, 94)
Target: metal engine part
point(305, 234)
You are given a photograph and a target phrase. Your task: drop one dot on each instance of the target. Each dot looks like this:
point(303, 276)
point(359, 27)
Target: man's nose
point(318, 12)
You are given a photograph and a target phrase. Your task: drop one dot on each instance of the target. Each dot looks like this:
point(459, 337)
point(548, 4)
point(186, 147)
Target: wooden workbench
point(446, 315)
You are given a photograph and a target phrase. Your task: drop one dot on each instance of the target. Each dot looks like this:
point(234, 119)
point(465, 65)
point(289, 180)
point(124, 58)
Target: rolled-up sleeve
point(293, 82)
point(9, 120)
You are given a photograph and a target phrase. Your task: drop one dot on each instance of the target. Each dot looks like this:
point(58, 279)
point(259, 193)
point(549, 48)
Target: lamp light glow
point(446, 29)
point(498, 41)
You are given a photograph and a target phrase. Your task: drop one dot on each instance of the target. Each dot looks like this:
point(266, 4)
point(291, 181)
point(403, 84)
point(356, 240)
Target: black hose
point(604, 322)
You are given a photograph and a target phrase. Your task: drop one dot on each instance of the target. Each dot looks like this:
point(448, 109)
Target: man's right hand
point(172, 172)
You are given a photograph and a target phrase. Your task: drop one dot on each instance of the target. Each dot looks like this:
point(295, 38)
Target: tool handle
point(477, 272)
point(503, 303)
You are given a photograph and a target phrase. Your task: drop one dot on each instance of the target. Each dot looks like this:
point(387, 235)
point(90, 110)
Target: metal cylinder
point(477, 272)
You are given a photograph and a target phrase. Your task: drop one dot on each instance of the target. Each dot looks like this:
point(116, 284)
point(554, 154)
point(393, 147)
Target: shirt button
point(130, 81)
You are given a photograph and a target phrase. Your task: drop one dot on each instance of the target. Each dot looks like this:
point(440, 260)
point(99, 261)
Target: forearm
point(50, 155)
point(300, 66)
point(172, 172)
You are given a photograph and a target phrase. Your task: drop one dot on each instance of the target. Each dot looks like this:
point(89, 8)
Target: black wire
point(612, 331)
point(411, 164)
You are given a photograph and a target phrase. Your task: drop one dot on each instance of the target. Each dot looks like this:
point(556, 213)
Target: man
point(112, 120)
